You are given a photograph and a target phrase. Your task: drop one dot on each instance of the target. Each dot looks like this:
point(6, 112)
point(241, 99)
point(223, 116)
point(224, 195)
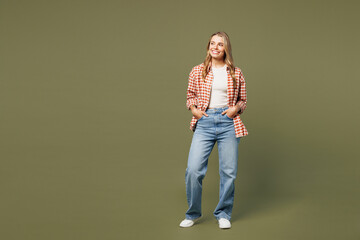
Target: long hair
point(227, 57)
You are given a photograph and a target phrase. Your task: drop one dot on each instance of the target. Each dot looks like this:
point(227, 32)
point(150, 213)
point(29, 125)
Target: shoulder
point(197, 70)
point(239, 74)
point(237, 70)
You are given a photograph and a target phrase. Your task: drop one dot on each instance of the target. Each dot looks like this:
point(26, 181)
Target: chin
point(218, 57)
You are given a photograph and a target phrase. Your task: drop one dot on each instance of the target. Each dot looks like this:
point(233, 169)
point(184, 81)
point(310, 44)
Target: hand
point(198, 113)
point(230, 112)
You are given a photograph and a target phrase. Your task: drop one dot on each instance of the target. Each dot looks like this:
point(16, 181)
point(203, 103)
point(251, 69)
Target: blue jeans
point(214, 128)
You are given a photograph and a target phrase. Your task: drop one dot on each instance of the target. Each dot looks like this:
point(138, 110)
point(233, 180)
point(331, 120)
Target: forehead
point(217, 38)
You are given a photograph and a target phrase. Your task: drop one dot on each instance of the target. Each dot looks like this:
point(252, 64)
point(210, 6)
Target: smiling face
point(217, 48)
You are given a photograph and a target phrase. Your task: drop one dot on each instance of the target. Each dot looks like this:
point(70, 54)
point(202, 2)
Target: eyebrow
point(219, 42)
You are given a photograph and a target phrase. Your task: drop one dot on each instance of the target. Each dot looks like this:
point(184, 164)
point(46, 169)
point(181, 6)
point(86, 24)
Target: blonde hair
point(227, 57)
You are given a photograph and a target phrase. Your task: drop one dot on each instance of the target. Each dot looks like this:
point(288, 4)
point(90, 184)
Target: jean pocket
point(228, 117)
point(201, 117)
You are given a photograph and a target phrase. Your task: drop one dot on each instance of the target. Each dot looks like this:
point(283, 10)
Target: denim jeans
point(214, 128)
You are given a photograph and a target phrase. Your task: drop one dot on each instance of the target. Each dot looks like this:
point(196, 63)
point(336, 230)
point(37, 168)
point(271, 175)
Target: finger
point(205, 114)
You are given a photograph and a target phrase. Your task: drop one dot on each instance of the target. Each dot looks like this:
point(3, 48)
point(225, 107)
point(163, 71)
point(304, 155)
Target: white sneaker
point(224, 223)
point(187, 222)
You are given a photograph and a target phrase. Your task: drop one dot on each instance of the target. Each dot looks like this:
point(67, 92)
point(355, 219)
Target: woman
point(216, 95)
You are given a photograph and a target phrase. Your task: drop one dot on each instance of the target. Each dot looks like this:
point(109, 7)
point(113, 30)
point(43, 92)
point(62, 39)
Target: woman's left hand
point(230, 112)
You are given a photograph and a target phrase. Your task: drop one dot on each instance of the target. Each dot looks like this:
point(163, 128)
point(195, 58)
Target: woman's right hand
point(198, 113)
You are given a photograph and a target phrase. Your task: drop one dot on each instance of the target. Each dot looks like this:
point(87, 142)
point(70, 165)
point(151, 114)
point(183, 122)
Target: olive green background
point(95, 132)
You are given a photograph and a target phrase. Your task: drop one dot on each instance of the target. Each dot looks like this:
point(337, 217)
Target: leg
point(200, 149)
point(228, 157)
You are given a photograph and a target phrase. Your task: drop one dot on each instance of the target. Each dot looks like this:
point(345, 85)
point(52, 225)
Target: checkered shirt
point(198, 94)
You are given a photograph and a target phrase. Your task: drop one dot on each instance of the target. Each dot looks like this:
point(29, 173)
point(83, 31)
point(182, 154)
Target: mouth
point(215, 52)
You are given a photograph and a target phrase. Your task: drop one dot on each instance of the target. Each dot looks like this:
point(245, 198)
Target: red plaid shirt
point(198, 94)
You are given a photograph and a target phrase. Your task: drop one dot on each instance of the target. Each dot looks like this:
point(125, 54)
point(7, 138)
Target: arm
point(191, 96)
point(242, 99)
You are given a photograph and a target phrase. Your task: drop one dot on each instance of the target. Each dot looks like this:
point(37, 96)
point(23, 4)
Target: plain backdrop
point(95, 134)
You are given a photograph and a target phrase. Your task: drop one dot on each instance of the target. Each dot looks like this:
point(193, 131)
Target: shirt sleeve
point(242, 97)
point(191, 96)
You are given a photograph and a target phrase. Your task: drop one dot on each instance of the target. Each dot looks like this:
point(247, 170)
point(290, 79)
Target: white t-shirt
point(218, 96)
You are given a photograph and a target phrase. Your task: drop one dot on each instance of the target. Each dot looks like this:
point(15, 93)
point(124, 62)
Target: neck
point(217, 63)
